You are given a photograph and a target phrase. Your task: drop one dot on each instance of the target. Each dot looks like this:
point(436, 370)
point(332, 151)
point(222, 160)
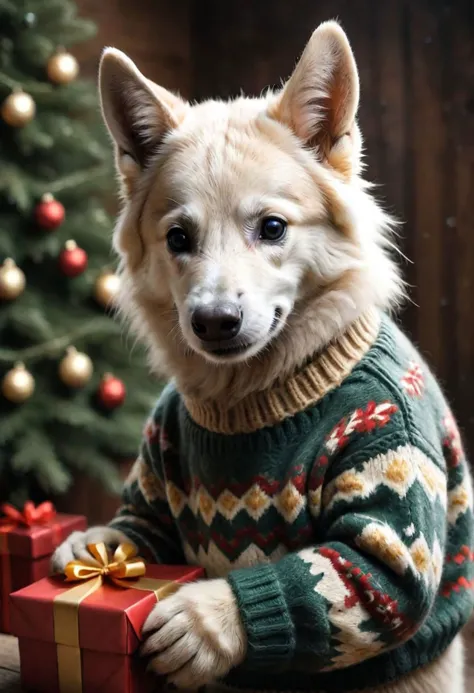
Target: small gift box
point(27, 541)
point(79, 634)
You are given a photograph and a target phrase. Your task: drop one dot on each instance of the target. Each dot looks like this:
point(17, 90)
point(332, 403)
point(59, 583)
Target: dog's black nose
point(216, 322)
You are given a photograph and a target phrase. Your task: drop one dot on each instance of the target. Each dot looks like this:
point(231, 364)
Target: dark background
point(416, 62)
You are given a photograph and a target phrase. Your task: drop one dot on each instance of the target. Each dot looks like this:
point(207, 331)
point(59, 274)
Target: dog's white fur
point(196, 635)
point(218, 168)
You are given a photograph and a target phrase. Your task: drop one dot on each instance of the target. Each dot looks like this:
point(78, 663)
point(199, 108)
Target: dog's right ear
point(320, 100)
point(137, 112)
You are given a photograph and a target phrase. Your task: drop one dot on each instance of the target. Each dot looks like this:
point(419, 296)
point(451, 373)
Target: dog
point(255, 264)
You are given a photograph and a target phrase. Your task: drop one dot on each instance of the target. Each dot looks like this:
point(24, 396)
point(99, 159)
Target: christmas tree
point(74, 390)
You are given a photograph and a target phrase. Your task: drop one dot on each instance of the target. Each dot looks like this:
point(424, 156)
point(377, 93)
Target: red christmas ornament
point(49, 213)
point(111, 392)
point(72, 260)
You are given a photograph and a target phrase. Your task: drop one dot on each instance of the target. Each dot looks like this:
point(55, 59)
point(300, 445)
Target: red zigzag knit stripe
point(460, 584)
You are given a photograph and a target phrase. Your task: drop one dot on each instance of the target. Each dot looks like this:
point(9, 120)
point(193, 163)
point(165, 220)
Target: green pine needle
point(59, 433)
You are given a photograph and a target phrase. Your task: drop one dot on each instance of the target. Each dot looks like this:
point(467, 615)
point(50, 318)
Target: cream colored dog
point(293, 157)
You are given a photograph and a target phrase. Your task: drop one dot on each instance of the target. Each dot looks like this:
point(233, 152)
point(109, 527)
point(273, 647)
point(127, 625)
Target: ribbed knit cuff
point(265, 615)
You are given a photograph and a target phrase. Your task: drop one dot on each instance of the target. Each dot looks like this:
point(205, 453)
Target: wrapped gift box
point(26, 550)
point(71, 643)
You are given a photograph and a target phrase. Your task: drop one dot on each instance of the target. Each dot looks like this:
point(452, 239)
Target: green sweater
point(338, 505)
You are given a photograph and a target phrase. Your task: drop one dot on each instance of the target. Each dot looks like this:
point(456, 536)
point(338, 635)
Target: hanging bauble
point(49, 213)
point(106, 288)
point(18, 384)
point(29, 20)
point(72, 260)
point(62, 68)
point(111, 392)
point(75, 369)
point(18, 109)
point(12, 280)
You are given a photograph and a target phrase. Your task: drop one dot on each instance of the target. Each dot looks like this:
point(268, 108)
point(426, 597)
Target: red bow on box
point(31, 515)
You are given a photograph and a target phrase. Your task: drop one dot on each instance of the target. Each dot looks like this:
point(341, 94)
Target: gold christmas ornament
point(75, 369)
point(18, 384)
point(62, 68)
point(106, 288)
point(12, 280)
point(18, 109)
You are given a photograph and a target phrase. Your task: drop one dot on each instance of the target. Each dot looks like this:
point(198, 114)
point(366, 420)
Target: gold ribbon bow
point(126, 569)
point(125, 564)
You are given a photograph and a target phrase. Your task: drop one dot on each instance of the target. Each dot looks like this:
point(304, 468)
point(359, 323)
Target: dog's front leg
point(196, 636)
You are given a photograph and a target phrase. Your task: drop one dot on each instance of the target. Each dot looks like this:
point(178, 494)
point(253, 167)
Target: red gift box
point(81, 637)
point(27, 541)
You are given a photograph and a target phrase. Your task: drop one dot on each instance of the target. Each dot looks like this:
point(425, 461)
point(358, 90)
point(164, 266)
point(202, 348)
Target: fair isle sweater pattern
point(345, 529)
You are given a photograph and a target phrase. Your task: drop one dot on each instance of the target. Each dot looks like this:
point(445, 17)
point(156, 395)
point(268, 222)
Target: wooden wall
point(154, 33)
point(416, 61)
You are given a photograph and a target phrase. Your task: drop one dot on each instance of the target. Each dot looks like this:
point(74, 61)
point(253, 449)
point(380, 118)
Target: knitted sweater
point(338, 505)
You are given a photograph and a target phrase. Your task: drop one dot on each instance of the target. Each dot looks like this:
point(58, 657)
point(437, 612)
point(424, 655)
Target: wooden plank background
point(416, 61)
point(154, 33)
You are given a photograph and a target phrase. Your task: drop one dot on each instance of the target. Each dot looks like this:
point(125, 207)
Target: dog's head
point(246, 232)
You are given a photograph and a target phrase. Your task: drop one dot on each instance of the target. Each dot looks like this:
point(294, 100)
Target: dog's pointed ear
point(320, 100)
point(137, 112)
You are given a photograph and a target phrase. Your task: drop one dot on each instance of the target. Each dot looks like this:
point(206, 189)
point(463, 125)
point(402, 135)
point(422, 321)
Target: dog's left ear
point(320, 100)
point(138, 113)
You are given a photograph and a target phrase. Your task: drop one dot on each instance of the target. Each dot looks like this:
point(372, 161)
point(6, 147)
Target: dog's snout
point(216, 321)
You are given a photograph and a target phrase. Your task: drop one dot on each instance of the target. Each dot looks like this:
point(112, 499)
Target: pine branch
point(52, 348)
point(33, 87)
point(76, 179)
point(25, 191)
point(8, 7)
point(64, 150)
point(78, 98)
point(31, 324)
point(12, 424)
point(35, 453)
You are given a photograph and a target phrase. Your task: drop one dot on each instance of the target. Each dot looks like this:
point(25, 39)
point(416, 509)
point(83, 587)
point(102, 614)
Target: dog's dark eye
point(178, 240)
point(272, 229)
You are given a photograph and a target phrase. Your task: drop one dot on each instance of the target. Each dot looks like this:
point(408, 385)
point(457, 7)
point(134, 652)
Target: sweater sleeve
point(369, 582)
point(145, 515)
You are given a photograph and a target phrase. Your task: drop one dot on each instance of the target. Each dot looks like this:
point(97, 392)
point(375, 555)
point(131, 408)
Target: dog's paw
point(196, 636)
point(75, 546)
